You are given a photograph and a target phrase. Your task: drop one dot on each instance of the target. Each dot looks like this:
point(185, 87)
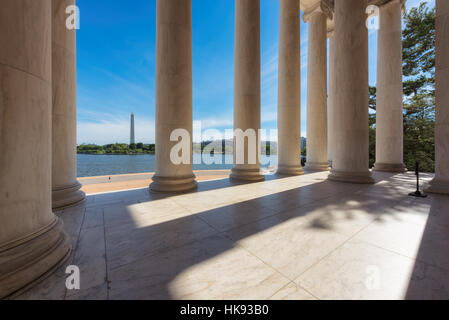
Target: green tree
point(267, 149)
point(419, 87)
point(372, 126)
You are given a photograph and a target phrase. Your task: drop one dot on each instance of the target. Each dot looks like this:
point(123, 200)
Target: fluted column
point(289, 90)
point(32, 242)
point(331, 99)
point(66, 188)
point(317, 88)
point(173, 94)
point(247, 89)
point(440, 184)
point(389, 110)
point(351, 155)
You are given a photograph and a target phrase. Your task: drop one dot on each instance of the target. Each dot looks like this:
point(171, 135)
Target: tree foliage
point(372, 126)
point(117, 148)
point(418, 89)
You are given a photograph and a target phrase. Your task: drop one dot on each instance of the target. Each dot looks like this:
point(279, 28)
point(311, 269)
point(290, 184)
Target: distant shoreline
point(151, 152)
point(220, 148)
point(117, 153)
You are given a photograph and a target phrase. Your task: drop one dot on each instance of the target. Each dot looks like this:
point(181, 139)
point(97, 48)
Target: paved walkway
point(285, 238)
point(101, 184)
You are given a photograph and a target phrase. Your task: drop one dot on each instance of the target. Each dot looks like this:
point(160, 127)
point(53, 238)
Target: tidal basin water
point(104, 165)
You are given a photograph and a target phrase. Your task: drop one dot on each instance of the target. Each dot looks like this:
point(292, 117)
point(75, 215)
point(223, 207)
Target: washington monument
point(133, 137)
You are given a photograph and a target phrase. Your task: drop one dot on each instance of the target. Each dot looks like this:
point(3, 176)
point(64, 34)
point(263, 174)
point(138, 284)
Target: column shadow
point(148, 260)
point(429, 279)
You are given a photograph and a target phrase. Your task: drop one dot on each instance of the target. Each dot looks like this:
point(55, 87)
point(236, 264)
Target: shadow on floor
point(432, 259)
point(176, 245)
point(150, 259)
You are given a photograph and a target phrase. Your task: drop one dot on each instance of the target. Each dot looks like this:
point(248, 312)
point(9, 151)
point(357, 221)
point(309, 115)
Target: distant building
point(133, 136)
point(303, 142)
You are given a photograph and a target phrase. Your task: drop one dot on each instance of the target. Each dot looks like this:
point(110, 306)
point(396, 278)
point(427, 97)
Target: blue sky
point(116, 66)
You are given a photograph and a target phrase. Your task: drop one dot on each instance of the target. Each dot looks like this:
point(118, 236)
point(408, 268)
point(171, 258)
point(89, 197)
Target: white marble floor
point(285, 238)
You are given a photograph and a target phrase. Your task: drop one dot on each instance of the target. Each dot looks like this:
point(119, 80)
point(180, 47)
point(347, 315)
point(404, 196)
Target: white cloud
point(114, 129)
point(269, 116)
point(269, 71)
point(218, 122)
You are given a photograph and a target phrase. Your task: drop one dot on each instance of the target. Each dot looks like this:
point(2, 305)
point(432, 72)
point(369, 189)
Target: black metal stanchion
point(417, 193)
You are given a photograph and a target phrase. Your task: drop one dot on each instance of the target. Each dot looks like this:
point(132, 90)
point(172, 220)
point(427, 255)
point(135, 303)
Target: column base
point(390, 167)
point(67, 196)
point(351, 177)
point(438, 187)
point(246, 175)
point(26, 262)
point(173, 184)
point(315, 166)
point(290, 170)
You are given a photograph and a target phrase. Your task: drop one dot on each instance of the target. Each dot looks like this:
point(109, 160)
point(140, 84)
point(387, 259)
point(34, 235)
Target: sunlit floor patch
point(285, 238)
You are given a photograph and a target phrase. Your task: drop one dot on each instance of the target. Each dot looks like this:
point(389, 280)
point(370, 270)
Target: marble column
point(330, 99)
point(350, 161)
point(289, 90)
point(317, 88)
point(440, 184)
point(173, 95)
point(389, 110)
point(32, 242)
point(247, 89)
point(66, 188)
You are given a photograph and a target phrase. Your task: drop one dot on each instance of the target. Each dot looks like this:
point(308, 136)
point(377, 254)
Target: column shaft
point(389, 110)
point(350, 119)
point(66, 188)
point(289, 90)
point(441, 182)
point(173, 94)
point(317, 91)
point(331, 101)
point(32, 242)
point(247, 90)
